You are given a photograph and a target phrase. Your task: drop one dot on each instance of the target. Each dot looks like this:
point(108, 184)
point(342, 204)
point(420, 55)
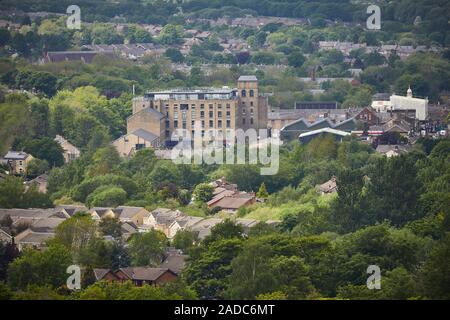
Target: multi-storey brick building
point(162, 112)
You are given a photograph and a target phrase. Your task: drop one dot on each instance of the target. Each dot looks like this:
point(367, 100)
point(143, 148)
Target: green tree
point(37, 166)
point(107, 196)
point(40, 268)
point(434, 275)
point(46, 149)
point(174, 55)
point(147, 249)
point(262, 192)
point(203, 192)
point(184, 240)
point(208, 271)
point(76, 234)
point(296, 59)
point(111, 227)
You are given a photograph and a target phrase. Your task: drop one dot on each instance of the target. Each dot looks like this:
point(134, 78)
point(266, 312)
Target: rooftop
point(248, 78)
point(16, 155)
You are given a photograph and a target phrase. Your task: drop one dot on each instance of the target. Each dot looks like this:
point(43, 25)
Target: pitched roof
point(328, 186)
point(204, 226)
point(188, 221)
point(144, 273)
point(16, 214)
point(174, 262)
point(46, 224)
point(167, 216)
point(129, 228)
point(248, 78)
point(101, 211)
point(155, 113)
point(384, 148)
point(16, 155)
point(232, 202)
point(87, 56)
point(100, 273)
point(144, 134)
point(36, 238)
point(71, 209)
point(324, 130)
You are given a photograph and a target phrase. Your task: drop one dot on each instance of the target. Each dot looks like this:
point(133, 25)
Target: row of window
point(251, 93)
point(211, 123)
point(202, 114)
point(193, 106)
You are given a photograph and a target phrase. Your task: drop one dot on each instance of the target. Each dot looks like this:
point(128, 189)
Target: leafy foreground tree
point(147, 249)
point(40, 268)
point(435, 272)
point(14, 195)
point(105, 290)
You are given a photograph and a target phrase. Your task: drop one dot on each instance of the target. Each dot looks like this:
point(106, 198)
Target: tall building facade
point(162, 112)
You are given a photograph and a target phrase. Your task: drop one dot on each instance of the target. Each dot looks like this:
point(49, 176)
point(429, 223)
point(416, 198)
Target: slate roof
point(167, 216)
point(99, 273)
point(248, 78)
point(144, 134)
point(101, 211)
point(328, 186)
point(204, 227)
point(324, 130)
point(36, 238)
point(46, 224)
point(232, 202)
point(71, 209)
point(144, 273)
point(174, 262)
point(16, 214)
point(154, 112)
point(384, 148)
point(86, 56)
point(16, 155)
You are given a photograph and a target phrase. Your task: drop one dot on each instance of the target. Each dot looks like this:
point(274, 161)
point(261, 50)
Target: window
point(203, 123)
point(210, 106)
point(175, 115)
point(252, 93)
point(167, 123)
point(211, 123)
point(228, 106)
point(175, 123)
point(228, 114)
point(184, 124)
point(243, 111)
point(202, 106)
point(211, 114)
point(251, 120)
point(228, 123)
point(219, 114)
point(251, 103)
point(243, 121)
point(193, 123)
point(202, 114)
point(219, 106)
point(251, 110)
point(219, 123)
point(243, 93)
